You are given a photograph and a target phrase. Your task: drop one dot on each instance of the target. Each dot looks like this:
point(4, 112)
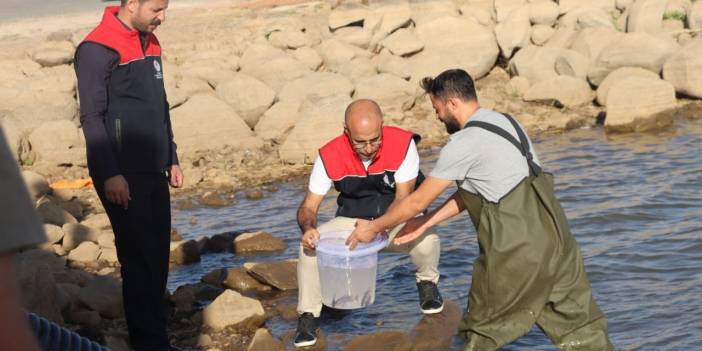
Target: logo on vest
point(387, 182)
point(157, 67)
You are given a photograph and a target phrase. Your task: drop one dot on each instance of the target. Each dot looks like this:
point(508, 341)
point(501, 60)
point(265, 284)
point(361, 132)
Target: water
point(635, 206)
point(347, 288)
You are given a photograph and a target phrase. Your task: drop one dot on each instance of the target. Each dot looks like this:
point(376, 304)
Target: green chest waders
point(529, 270)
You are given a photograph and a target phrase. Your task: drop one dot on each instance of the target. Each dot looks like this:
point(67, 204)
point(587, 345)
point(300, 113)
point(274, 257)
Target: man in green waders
point(529, 269)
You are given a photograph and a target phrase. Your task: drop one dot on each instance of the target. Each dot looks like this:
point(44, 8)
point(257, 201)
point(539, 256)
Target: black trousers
point(142, 237)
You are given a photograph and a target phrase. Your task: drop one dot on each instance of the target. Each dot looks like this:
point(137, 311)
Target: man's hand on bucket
point(310, 237)
point(364, 233)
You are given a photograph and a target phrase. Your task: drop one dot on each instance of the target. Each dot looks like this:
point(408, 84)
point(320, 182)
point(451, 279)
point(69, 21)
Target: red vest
point(366, 194)
point(137, 117)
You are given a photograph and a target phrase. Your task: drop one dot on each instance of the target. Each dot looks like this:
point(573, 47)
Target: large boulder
point(504, 8)
point(205, 123)
point(346, 15)
point(535, 63)
point(694, 17)
point(633, 50)
point(54, 54)
point(231, 309)
point(395, 65)
point(393, 94)
point(264, 341)
point(356, 36)
point(240, 280)
point(258, 242)
point(184, 252)
point(639, 104)
point(443, 49)
point(322, 119)
point(87, 252)
point(646, 16)
point(287, 39)
point(52, 213)
point(282, 274)
point(37, 185)
point(562, 38)
point(75, 234)
point(541, 33)
point(30, 109)
point(103, 295)
point(54, 233)
point(567, 90)
point(514, 32)
point(37, 285)
point(316, 84)
point(543, 12)
point(684, 69)
point(435, 332)
point(249, 97)
point(403, 43)
point(358, 69)
point(425, 11)
point(53, 141)
point(271, 66)
point(591, 41)
point(618, 75)
point(380, 341)
point(391, 16)
point(278, 120)
point(309, 57)
point(571, 63)
point(337, 53)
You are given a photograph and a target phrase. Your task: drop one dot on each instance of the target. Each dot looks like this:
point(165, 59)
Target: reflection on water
point(635, 205)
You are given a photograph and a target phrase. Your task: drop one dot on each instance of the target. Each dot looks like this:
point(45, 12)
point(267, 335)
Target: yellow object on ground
point(72, 184)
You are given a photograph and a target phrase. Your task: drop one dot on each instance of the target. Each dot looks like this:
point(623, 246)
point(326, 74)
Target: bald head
point(363, 117)
point(364, 121)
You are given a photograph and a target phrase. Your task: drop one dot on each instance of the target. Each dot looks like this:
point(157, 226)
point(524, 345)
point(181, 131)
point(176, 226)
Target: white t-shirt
point(320, 183)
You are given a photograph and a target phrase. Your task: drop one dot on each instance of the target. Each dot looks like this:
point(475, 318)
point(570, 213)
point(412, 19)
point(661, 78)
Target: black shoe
point(307, 328)
point(430, 300)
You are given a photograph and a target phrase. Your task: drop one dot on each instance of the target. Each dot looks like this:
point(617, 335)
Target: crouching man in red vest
point(371, 167)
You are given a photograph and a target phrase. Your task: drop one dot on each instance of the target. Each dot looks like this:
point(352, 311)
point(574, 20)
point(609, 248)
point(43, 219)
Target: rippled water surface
point(635, 206)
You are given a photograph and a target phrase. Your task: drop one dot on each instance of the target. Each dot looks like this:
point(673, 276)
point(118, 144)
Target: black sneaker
point(430, 300)
point(307, 328)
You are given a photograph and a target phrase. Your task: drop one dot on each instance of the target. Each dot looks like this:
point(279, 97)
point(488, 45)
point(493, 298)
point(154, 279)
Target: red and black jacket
point(366, 193)
point(137, 119)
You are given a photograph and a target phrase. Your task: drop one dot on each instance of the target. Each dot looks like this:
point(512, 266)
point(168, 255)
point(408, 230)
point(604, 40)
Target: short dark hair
point(450, 83)
point(124, 2)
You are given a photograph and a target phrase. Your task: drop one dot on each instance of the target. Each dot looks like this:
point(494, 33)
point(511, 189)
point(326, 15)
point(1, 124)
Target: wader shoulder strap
point(522, 144)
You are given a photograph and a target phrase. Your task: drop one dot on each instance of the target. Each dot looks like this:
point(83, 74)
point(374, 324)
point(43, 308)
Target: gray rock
point(344, 16)
point(103, 295)
point(278, 120)
point(52, 213)
point(403, 42)
point(646, 16)
point(543, 12)
point(37, 185)
point(640, 104)
point(264, 341)
point(380, 341)
point(569, 91)
point(316, 84)
point(86, 252)
point(233, 309)
point(540, 34)
point(394, 94)
point(309, 57)
point(281, 274)
point(75, 234)
point(224, 126)
point(258, 242)
point(53, 232)
point(514, 32)
point(98, 221)
point(684, 69)
point(391, 64)
point(618, 75)
point(321, 120)
point(249, 97)
point(240, 280)
point(184, 252)
point(54, 54)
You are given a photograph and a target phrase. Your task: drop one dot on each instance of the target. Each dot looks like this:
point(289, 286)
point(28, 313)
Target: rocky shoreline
point(256, 89)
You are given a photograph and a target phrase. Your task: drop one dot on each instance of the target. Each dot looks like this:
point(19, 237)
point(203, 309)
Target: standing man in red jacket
point(131, 155)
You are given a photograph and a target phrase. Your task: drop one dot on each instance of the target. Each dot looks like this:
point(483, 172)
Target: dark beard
point(452, 125)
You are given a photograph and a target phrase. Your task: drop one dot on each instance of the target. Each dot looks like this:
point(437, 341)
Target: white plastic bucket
point(347, 277)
